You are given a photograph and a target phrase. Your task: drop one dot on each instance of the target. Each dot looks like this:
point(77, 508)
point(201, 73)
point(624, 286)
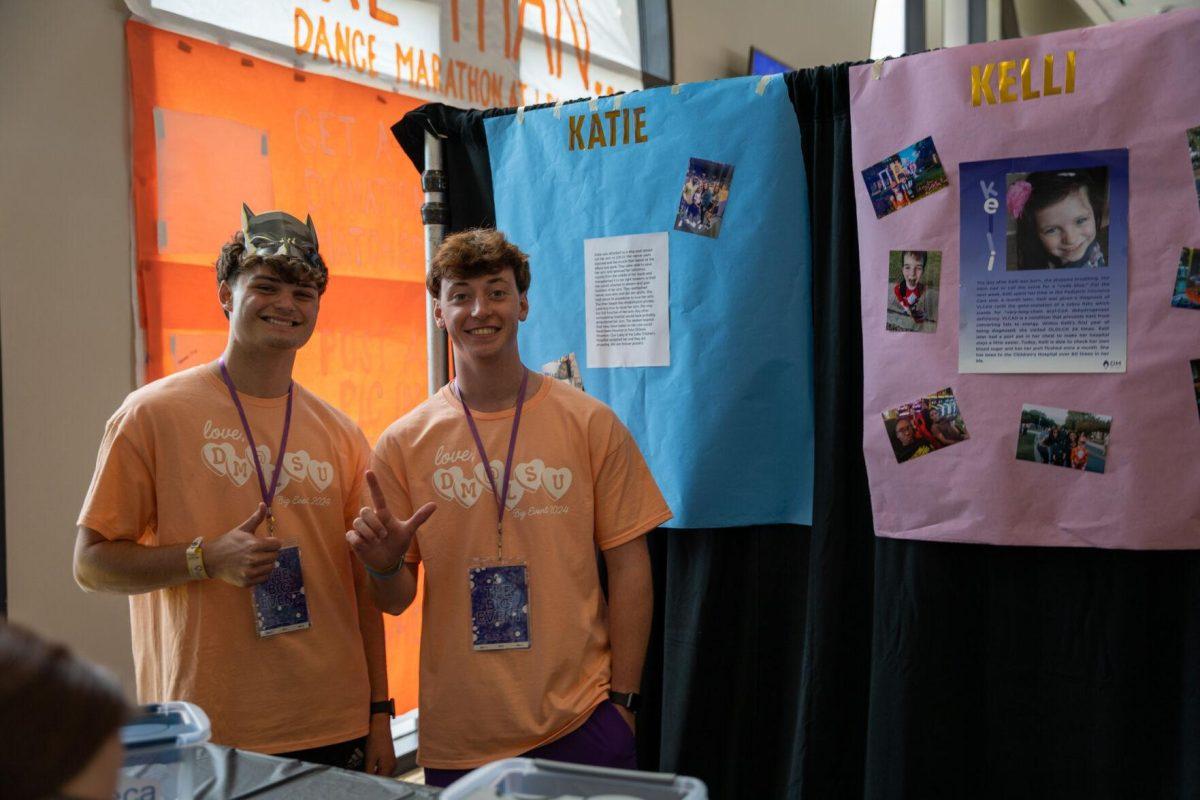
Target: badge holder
point(499, 604)
point(280, 604)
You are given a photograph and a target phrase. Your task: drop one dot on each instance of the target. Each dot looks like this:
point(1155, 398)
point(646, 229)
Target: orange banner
point(213, 128)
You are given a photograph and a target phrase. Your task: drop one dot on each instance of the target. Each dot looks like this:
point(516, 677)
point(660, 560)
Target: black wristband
point(629, 700)
point(384, 707)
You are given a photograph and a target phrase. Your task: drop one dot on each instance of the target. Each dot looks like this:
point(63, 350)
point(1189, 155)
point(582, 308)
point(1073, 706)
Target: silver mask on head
point(277, 233)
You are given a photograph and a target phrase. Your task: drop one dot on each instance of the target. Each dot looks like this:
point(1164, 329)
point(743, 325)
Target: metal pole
point(434, 214)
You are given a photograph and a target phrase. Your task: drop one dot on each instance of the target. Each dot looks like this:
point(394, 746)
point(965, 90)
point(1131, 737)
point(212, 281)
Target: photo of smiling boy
point(912, 301)
point(1057, 219)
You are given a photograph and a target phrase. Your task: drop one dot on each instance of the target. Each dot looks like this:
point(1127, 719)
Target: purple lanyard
point(501, 499)
point(267, 495)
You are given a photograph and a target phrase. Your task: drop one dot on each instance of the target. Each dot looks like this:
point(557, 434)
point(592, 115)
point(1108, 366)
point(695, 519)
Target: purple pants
point(603, 741)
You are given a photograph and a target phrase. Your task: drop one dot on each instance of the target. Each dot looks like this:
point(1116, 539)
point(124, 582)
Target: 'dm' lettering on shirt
point(532, 480)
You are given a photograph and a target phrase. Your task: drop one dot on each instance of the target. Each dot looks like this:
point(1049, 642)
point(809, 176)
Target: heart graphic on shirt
point(320, 473)
point(295, 465)
point(556, 481)
point(264, 456)
point(444, 481)
point(529, 475)
point(515, 492)
point(216, 456)
point(264, 463)
point(284, 478)
point(497, 474)
point(467, 491)
point(238, 469)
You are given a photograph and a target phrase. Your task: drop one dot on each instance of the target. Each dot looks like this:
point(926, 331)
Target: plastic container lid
point(161, 726)
point(535, 779)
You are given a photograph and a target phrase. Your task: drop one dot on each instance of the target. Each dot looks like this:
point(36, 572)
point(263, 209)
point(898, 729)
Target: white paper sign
point(465, 54)
point(627, 301)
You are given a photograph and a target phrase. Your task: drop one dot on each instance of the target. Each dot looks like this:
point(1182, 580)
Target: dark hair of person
point(56, 710)
point(289, 269)
point(921, 254)
point(476, 252)
point(1047, 189)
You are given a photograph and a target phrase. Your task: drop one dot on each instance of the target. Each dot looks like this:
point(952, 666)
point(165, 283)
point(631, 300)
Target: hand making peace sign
point(379, 539)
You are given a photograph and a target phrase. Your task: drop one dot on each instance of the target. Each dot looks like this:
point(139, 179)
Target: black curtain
point(825, 663)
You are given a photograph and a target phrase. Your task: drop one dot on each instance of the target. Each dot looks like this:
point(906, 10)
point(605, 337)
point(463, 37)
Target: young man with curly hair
point(521, 652)
point(220, 502)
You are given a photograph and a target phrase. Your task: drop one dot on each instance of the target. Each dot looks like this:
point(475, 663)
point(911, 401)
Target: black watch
point(629, 700)
point(384, 707)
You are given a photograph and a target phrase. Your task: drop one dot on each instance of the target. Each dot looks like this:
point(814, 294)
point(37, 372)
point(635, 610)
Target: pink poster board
point(1133, 87)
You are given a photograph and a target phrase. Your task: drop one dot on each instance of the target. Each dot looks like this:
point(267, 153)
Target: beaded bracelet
point(386, 573)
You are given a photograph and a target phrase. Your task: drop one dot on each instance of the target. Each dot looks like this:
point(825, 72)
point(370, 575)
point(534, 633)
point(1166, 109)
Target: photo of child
point(1187, 280)
point(1196, 381)
point(1043, 264)
point(912, 302)
point(702, 201)
point(927, 424)
point(1193, 138)
point(1058, 219)
point(904, 178)
point(1063, 438)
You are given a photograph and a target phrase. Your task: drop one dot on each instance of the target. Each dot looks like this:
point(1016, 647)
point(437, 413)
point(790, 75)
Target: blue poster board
point(727, 427)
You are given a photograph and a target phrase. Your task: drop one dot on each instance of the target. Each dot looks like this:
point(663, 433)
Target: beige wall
point(1046, 16)
point(66, 323)
point(713, 37)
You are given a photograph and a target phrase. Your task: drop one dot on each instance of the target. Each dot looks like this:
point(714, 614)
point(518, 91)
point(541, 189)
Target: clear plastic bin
point(534, 779)
point(161, 746)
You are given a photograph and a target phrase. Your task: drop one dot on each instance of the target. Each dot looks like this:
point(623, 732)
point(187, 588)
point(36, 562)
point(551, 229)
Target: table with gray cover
point(223, 773)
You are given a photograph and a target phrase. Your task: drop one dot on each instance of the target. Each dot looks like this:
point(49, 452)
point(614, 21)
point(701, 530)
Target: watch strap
point(384, 707)
point(629, 700)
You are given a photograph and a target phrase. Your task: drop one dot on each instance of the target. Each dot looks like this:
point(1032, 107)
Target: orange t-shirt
point(579, 482)
point(174, 465)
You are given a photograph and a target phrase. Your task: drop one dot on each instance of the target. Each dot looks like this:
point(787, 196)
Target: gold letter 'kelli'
point(997, 83)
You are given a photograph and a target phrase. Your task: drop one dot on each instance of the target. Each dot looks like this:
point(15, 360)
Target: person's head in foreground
point(479, 281)
point(270, 278)
point(1058, 221)
point(60, 720)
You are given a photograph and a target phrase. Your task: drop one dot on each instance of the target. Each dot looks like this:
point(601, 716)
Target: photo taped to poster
point(1062, 438)
point(929, 423)
point(904, 178)
point(1196, 381)
point(1193, 140)
point(1043, 263)
point(1187, 279)
point(704, 196)
point(912, 300)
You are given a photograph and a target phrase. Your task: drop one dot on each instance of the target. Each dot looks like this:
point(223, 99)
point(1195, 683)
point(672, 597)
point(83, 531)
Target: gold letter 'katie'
point(623, 127)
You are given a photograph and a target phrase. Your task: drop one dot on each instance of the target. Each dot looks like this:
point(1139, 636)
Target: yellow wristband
point(195, 559)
